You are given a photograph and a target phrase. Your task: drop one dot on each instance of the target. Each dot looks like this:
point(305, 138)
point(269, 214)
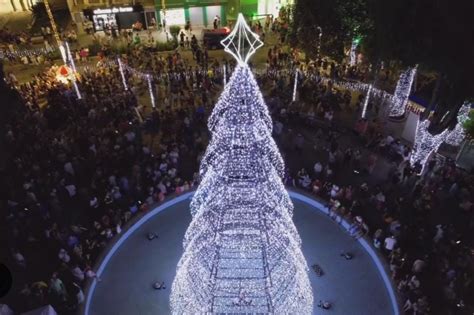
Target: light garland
point(295, 86)
point(366, 102)
point(70, 58)
point(242, 253)
point(241, 43)
point(402, 92)
point(457, 135)
point(122, 74)
point(224, 70)
point(150, 89)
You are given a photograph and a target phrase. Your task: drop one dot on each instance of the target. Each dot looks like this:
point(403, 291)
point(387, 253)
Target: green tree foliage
point(469, 125)
point(340, 20)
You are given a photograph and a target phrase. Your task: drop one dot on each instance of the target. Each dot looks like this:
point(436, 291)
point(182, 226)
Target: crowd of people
point(422, 223)
point(82, 169)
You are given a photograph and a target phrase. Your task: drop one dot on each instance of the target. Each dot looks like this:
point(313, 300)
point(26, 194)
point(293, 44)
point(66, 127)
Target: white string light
point(295, 86)
point(366, 102)
point(319, 40)
point(150, 89)
point(124, 81)
point(457, 135)
point(224, 74)
point(242, 253)
point(76, 89)
point(70, 58)
point(353, 55)
point(402, 92)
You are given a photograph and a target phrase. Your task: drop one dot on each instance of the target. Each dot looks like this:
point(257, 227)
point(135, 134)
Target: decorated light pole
point(55, 30)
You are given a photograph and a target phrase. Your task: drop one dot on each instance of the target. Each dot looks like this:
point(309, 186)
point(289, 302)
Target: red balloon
point(63, 71)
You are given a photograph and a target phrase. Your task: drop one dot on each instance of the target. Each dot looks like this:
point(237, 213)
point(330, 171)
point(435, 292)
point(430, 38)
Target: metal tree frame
point(242, 253)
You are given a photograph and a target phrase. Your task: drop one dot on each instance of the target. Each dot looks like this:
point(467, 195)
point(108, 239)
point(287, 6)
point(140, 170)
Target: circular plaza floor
point(357, 286)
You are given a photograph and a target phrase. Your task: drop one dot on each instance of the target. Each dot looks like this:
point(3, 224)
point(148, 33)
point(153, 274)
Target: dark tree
point(340, 21)
point(435, 34)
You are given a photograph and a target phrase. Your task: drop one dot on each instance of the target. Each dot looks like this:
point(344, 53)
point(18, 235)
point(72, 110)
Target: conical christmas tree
point(242, 253)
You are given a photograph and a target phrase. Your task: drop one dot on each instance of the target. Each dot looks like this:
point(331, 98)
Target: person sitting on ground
point(151, 236)
point(324, 304)
point(159, 285)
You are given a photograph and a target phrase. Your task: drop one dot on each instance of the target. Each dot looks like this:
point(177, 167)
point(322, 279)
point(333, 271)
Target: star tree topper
point(242, 43)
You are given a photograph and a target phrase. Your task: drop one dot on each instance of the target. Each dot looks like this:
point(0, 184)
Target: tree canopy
point(340, 21)
point(435, 34)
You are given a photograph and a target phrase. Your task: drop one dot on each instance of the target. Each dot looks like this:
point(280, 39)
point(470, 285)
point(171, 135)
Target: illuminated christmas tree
point(242, 253)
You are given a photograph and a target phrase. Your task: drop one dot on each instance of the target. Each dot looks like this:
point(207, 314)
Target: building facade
point(200, 13)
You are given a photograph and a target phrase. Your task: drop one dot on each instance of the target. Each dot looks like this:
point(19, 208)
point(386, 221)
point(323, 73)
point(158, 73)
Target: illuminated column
point(122, 74)
point(366, 102)
point(402, 92)
point(319, 40)
point(150, 89)
point(225, 74)
point(70, 58)
point(295, 86)
point(73, 66)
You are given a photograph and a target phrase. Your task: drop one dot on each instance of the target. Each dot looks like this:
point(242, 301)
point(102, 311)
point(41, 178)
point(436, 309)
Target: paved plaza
point(353, 286)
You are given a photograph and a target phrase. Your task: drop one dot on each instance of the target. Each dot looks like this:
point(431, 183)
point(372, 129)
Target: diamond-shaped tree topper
point(241, 42)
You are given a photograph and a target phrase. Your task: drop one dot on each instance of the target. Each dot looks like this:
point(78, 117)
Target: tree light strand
point(295, 86)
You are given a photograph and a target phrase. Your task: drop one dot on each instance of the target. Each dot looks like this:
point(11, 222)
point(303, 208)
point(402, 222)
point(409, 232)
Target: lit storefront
point(198, 13)
point(116, 17)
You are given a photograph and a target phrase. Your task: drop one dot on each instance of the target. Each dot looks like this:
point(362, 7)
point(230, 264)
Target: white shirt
point(71, 189)
point(318, 167)
point(390, 243)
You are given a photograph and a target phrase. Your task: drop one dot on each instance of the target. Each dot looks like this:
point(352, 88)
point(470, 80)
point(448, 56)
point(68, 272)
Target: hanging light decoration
point(150, 90)
point(242, 253)
point(122, 74)
point(295, 86)
point(224, 74)
point(70, 61)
